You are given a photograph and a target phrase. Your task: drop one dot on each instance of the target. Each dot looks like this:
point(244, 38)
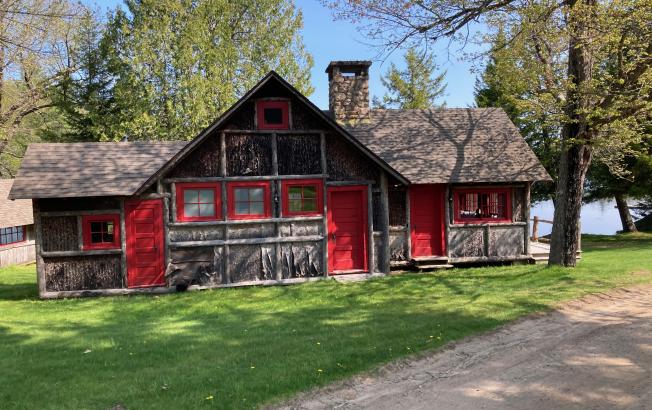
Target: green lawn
point(239, 348)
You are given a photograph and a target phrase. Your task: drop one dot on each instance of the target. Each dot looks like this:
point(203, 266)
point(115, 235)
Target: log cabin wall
point(62, 264)
point(490, 242)
point(229, 252)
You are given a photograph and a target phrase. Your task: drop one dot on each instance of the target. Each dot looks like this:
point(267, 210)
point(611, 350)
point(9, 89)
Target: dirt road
point(593, 353)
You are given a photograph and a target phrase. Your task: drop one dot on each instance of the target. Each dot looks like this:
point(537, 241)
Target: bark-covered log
point(82, 272)
point(298, 154)
point(60, 233)
point(346, 163)
point(196, 266)
point(248, 155)
point(302, 118)
point(244, 118)
point(302, 260)
point(204, 161)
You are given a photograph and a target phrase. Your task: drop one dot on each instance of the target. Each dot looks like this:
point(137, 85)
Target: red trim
point(317, 183)
point(22, 227)
point(508, 205)
point(284, 105)
point(267, 207)
point(217, 197)
point(86, 231)
point(365, 228)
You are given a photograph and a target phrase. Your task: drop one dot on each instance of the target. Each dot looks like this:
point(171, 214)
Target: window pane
point(96, 237)
point(20, 235)
point(257, 208)
point(108, 237)
point(207, 196)
point(242, 208)
point(96, 226)
point(190, 195)
point(109, 227)
point(206, 209)
point(295, 205)
point(273, 115)
point(241, 194)
point(294, 192)
point(256, 194)
point(310, 191)
point(191, 210)
point(309, 205)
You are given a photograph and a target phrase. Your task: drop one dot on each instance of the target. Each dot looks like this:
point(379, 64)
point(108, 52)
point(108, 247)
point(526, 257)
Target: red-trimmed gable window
point(249, 200)
point(482, 205)
point(13, 234)
point(273, 115)
point(101, 231)
point(303, 197)
point(198, 201)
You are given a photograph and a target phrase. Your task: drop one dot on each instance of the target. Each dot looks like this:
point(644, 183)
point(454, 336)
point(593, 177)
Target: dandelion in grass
point(209, 397)
point(253, 367)
point(87, 351)
point(319, 370)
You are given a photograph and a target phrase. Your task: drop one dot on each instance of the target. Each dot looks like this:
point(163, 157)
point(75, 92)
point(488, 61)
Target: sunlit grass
point(239, 348)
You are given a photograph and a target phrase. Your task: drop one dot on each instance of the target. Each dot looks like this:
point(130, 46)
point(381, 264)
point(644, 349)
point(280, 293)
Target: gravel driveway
point(592, 353)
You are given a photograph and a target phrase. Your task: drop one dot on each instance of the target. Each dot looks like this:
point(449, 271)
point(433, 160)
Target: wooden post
point(166, 230)
point(370, 230)
point(384, 265)
point(408, 224)
point(278, 266)
point(535, 229)
point(123, 243)
point(80, 232)
point(324, 171)
point(526, 212)
point(447, 218)
point(38, 247)
point(225, 250)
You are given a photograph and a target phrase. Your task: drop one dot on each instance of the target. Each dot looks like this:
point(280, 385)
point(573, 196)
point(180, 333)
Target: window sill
point(90, 252)
point(248, 221)
point(487, 223)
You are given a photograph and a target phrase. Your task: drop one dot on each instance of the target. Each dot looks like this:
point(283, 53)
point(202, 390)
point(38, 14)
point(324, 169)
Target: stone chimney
point(348, 90)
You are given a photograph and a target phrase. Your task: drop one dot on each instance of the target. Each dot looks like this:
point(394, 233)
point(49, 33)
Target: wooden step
point(433, 267)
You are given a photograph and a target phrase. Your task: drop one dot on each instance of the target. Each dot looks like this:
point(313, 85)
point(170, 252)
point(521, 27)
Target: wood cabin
point(277, 191)
point(16, 228)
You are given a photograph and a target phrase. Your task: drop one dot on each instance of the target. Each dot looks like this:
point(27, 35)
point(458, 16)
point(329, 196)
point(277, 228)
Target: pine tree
point(418, 86)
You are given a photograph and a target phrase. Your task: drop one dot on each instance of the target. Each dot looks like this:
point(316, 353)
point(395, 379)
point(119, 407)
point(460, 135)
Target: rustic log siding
point(467, 241)
point(196, 266)
point(345, 163)
point(507, 241)
point(251, 262)
point(82, 273)
point(195, 233)
point(263, 230)
point(302, 118)
point(519, 204)
point(203, 162)
point(397, 206)
point(398, 251)
point(302, 260)
point(60, 233)
point(298, 154)
point(248, 154)
point(244, 118)
point(293, 229)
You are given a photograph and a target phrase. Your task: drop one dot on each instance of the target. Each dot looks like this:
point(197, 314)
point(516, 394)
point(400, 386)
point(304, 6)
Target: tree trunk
point(576, 152)
point(625, 215)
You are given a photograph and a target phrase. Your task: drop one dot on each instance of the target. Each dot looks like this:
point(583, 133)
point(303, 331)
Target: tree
point(593, 104)
point(179, 64)
point(34, 56)
point(85, 95)
point(415, 87)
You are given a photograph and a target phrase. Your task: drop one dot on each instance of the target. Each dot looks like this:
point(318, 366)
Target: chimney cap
point(348, 65)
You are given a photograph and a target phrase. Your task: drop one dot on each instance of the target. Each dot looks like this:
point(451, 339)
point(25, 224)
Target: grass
point(240, 348)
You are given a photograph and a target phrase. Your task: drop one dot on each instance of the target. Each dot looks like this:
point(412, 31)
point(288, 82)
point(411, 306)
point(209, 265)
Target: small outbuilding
point(16, 228)
point(277, 191)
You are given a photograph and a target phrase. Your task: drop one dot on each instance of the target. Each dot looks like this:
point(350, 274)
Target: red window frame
point(267, 206)
point(217, 199)
point(285, 188)
point(19, 227)
point(86, 231)
point(285, 114)
point(482, 191)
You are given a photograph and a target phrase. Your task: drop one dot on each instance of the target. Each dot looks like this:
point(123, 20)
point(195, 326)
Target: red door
point(426, 220)
point(347, 229)
point(145, 253)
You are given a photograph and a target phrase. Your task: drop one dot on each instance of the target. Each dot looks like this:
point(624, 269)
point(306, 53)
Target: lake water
point(597, 217)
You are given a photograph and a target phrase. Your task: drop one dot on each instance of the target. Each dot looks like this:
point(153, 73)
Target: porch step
point(421, 259)
point(433, 267)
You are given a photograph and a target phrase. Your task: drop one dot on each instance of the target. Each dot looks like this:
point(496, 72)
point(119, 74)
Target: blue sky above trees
point(328, 40)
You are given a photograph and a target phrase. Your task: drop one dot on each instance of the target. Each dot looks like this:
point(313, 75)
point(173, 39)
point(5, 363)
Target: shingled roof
point(89, 169)
point(460, 145)
point(13, 213)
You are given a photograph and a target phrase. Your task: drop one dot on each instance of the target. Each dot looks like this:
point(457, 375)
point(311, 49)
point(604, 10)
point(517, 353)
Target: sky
point(329, 40)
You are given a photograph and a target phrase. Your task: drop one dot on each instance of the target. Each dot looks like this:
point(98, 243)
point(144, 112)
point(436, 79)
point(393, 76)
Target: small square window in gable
point(273, 115)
